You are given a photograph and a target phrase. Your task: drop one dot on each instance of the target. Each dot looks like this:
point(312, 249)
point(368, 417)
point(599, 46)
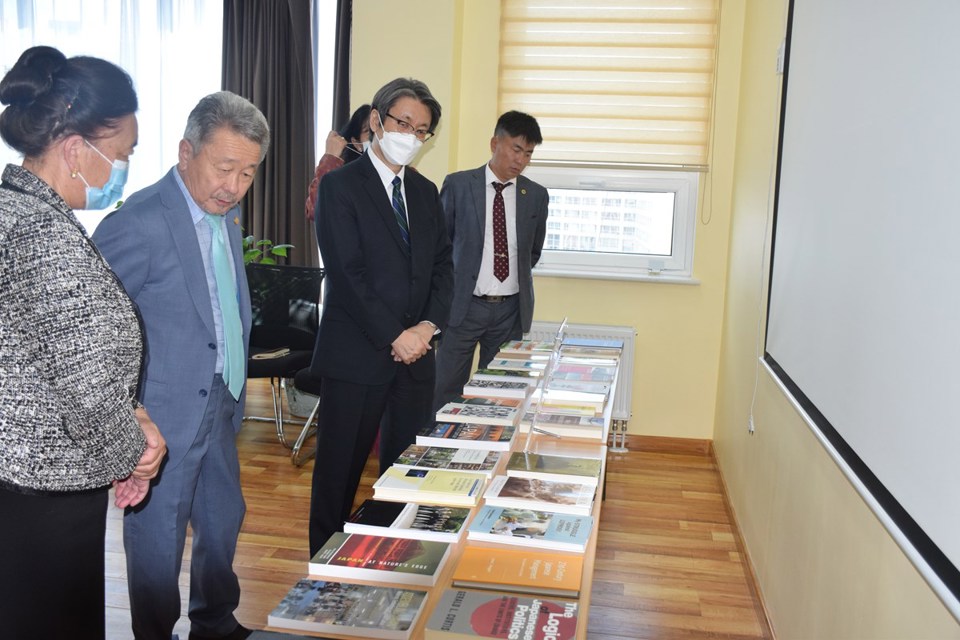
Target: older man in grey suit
point(497, 221)
point(177, 248)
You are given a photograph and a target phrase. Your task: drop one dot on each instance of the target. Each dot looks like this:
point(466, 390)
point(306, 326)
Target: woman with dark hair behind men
point(71, 347)
point(343, 146)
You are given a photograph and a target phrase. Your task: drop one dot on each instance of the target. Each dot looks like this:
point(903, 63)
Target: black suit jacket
point(375, 285)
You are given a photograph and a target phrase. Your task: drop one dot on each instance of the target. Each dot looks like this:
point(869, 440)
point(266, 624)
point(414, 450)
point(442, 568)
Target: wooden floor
point(669, 562)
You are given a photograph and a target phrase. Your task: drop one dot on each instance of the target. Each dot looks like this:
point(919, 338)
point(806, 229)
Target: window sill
point(633, 276)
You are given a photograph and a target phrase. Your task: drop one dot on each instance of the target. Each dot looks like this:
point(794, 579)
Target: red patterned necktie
point(501, 259)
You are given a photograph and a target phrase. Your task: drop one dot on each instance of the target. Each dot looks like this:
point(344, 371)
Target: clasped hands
point(130, 491)
point(412, 344)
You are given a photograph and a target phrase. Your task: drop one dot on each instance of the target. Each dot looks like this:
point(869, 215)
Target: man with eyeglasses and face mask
point(389, 279)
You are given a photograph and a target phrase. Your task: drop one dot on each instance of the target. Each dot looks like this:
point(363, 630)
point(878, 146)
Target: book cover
point(585, 373)
point(432, 486)
point(563, 409)
point(556, 468)
point(518, 364)
point(410, 520)
point(502, 411)
point(573, 426)
point(574, 498)
point(527, 347)
point(366, 557)
point(531, 378)
point(548, 573)
point(582, 386)
point(531, 528)
point(467, 435)
point(338, 607)
point(422, 457)
point(496, 388)
point(464, 615)
point(556, 397)
point(612, 344)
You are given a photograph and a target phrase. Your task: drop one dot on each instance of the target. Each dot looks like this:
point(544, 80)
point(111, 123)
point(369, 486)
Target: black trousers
point(350, 416)
point(51, 565)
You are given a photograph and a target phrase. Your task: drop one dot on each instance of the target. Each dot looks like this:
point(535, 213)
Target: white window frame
point(678, 266)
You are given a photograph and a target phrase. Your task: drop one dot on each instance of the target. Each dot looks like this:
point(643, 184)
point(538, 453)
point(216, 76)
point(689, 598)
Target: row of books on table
point(526, 518)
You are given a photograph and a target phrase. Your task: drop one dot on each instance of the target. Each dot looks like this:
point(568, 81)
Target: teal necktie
point(233, 358)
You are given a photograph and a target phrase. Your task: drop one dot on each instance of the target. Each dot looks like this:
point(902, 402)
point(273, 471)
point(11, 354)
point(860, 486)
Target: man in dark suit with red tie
point(497, 220)
point(389, 280)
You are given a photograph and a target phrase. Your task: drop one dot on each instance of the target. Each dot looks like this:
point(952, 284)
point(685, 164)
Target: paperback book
point(582, 386)
point(467, 435)
point(433, 486)
point(519, 364)
point(531, 528)
point(339, 607)
point(466, 615)
point(496, 388)
point(527, 347)
point(502, 411)
point(548, 573)
point(411, 520)
point(592, 347)
point(572, 426)
point(563, 409)
point(454, 458)
point(361, 556)
point(531, 378)
point(572, 498)
point(578, 373)
point(579, 400)
point(555, 468)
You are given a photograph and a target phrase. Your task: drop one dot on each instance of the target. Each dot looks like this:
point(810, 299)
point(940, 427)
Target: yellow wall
point(452, 45)
point(826, 567)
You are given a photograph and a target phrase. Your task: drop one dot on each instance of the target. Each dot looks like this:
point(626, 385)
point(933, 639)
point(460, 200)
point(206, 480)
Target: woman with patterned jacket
point(70, 346)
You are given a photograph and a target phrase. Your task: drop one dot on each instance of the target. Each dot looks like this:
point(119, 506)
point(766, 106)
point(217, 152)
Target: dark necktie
point(501, 259)
point(400, 210)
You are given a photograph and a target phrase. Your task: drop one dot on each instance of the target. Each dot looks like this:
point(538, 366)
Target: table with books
point(488, 523)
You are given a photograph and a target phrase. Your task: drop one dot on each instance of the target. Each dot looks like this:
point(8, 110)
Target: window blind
point(612, 81)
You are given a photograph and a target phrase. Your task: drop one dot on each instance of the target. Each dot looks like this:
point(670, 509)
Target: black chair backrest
point(285, 304)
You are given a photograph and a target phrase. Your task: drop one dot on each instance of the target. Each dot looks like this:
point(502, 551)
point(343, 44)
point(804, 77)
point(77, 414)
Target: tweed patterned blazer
point(71, 349)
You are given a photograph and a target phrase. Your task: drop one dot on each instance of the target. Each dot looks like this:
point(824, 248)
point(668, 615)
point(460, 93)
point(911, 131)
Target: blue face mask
point(110, 192)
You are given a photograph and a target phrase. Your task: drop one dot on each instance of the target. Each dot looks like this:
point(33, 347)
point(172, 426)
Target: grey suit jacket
point(464, 208)
point(151, 244)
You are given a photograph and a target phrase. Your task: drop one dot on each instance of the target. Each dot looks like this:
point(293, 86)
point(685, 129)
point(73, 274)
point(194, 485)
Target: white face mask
point(366, 145)
point(399, 148)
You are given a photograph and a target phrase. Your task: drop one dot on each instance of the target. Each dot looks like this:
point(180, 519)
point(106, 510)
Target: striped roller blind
point(625, 81)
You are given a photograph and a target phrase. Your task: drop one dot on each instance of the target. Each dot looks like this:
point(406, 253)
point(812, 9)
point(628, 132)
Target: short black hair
point(50, 96)
point(515, 124)
point(354, 127)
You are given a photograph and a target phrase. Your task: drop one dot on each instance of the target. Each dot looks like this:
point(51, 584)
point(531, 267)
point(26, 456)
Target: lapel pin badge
point(523, 192)
point(236, 220)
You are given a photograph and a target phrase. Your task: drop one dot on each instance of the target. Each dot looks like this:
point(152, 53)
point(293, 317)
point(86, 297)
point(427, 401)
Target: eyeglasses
point(406, 127)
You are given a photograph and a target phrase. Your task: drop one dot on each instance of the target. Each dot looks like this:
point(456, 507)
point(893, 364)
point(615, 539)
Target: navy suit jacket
point(465, 209)
point(376, 286)
point(151, 244)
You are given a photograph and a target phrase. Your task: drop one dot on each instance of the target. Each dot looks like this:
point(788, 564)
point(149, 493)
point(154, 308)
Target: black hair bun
point(32, 76)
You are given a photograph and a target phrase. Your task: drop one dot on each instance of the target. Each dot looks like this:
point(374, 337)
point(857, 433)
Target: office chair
point(305, 381)
point(285, 304)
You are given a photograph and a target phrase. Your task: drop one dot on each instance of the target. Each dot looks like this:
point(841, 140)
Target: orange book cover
point(520, 570)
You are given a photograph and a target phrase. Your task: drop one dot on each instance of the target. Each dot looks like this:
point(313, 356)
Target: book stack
point(497, 411)
point(592, 347)
point(466, 435)
point(432, 486)
point(367, 557)
point(535, 571)
point(531, 528)
point(367, 611)
point(530, 378)
point(558, 468)
point(453, 458)
point(525, 348)
point(460, 615)
point(572, 498)
point(497, 388)
point(408, 520)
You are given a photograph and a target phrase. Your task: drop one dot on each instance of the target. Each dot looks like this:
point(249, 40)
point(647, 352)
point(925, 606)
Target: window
point(153, 42)
point(612, 240)
point(623, 92)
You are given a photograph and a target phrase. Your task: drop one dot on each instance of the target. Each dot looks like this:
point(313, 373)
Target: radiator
point(624, 389)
